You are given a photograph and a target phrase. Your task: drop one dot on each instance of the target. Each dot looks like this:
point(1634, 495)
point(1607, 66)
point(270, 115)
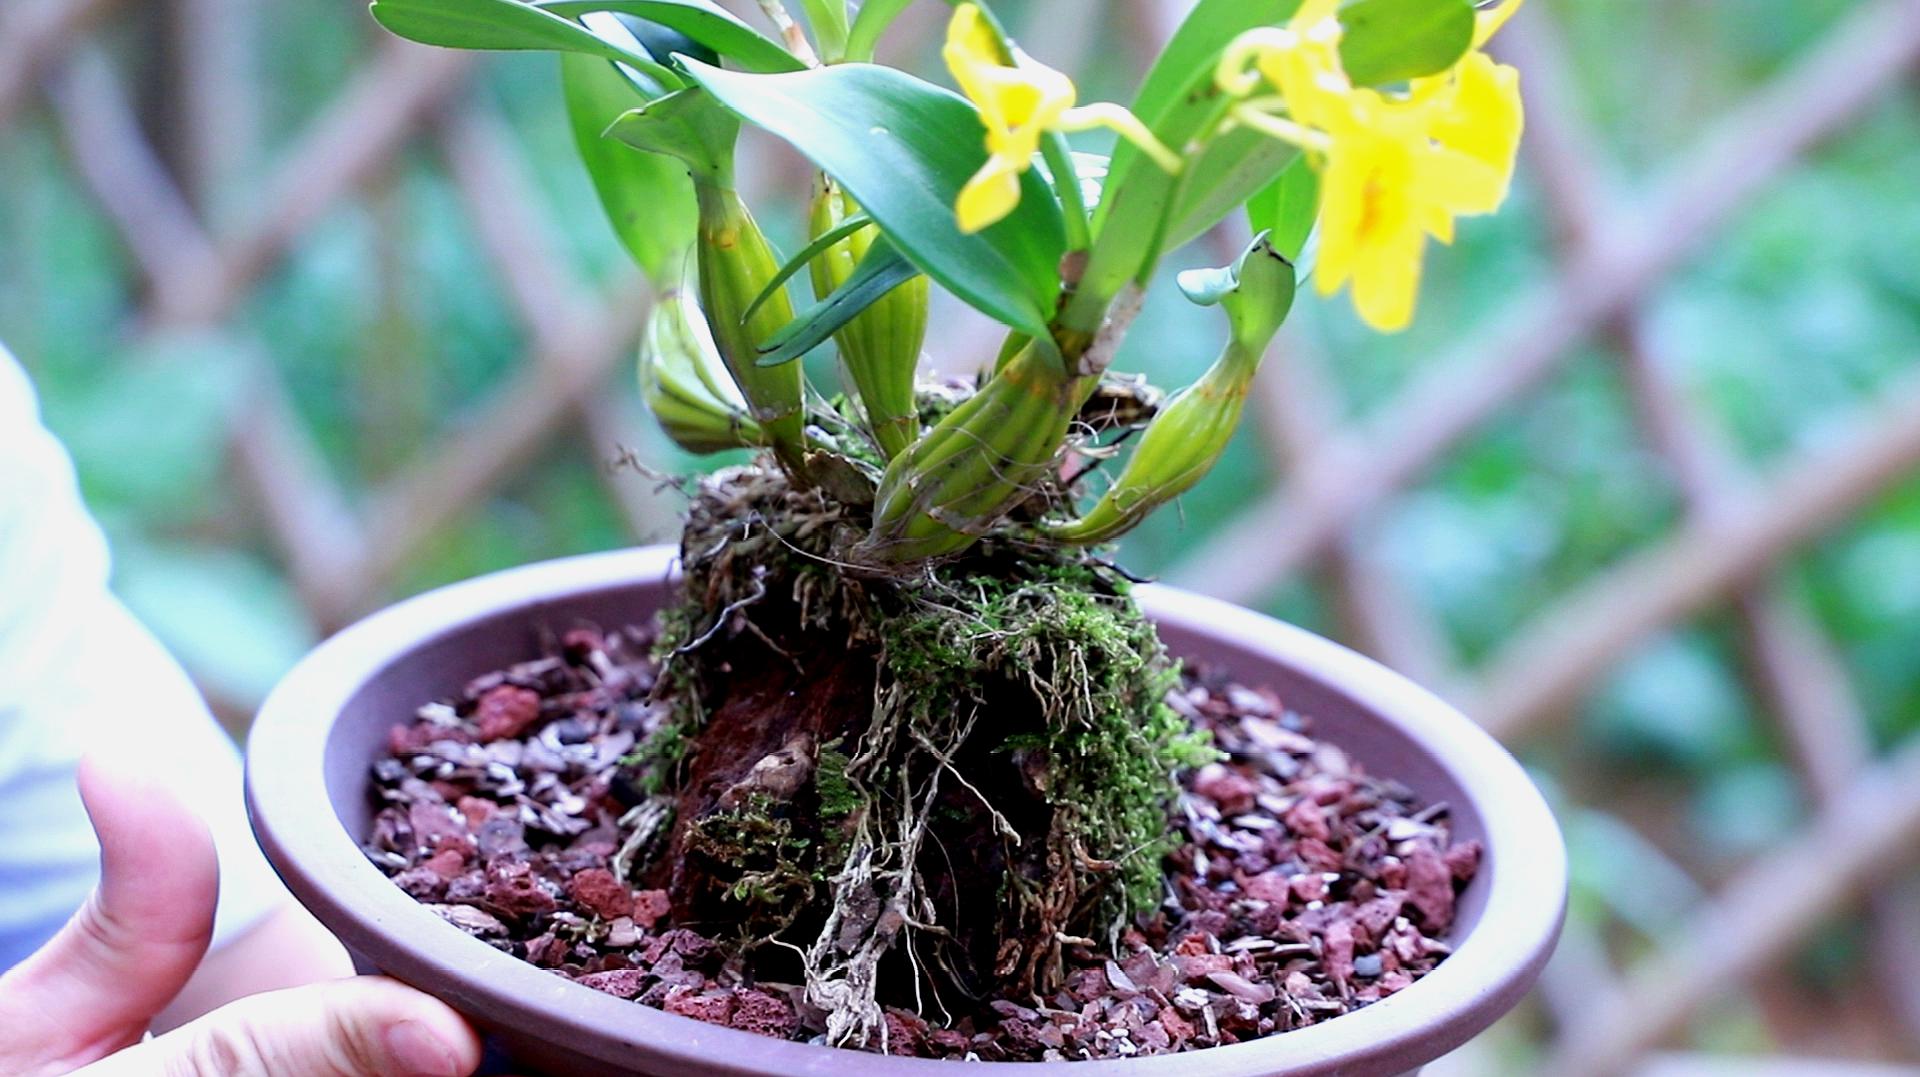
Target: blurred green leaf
point(647, 196)
point(231, 620)
point(687, 125)
point(703, 21)
point(1384, 41)
point(828, 21)
point(1177, 101)
point(903, 149)
point(1288, 208)
point(1233, 168)
point(505, 25)
point(870, 24)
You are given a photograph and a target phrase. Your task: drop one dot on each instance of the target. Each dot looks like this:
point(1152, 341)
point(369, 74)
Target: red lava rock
point(713, 1006)
point(1307, 820)
point(650, 907)
point(906, 1033)
point(477, 810)
point(514, 889)
point(506, 711)
point(1309, 886)
point(1231, 790)
point(1337, 952)
point(422, 884)
point(1179, 1029)
point(547, 951)
point(1200, 966)
point(1376, 916)
point(1191, 945)
point(768, 1014)
point(1463, 859)
point(435, 823)
point(620, 983)
point(1270, 886)
point(1430, 887)
point(598, 890)
point(1317, 855)
point(449, 863)
point(408, 739)
point(578, 643)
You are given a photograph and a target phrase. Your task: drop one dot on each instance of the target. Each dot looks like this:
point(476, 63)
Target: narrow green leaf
point(902, 149)
point(1384, 41)
point(648, 198)
point(807, 254)
point(828, 21)
point(687, 125)
point(1234, 168)
point(702, 21)
point(1288, 209)
point(882, 270)
point(1177, 101)
point(870, 24)
point(506, 25)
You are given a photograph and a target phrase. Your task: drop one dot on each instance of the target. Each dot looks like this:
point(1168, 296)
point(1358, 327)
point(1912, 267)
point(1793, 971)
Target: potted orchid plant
point(905, 763)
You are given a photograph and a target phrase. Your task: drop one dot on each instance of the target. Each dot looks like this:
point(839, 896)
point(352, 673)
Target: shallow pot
point(310, 752)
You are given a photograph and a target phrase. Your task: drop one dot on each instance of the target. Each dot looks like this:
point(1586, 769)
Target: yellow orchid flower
point(1397, 167)
point(1301, 60)
point(1385, 188)
point(1021, 101)
point(1476, 110)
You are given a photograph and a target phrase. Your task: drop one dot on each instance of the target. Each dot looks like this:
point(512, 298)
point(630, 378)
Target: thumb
point(364, 1027)
point(136, 941)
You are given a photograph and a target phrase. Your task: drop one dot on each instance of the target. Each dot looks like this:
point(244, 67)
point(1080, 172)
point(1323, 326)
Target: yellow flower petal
point(989, 196)
point(1117, 119)
point(1386, 283)
point(1482, 115)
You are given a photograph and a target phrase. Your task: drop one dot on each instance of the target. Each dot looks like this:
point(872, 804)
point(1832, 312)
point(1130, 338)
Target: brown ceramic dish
point(309, 754)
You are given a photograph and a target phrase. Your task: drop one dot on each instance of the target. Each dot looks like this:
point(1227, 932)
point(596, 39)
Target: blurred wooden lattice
point(1737, 529)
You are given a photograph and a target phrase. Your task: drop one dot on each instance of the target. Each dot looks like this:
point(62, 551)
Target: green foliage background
point(388, 336)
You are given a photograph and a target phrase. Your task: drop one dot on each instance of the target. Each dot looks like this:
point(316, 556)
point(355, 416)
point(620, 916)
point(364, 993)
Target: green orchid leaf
point(1178, 101)
point(828, 21)
point(882, 270)
point(507, 25)
point(1233, 168)
point(661, 43)
point(1383, 41)
point(687, 125)
point(702, 21)
point(870, 24)
point(648, 198)
point(807, 254)
point(1288, 209)
point(902, 149)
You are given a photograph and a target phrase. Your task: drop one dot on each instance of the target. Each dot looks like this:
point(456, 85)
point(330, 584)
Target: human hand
point(83, 1003)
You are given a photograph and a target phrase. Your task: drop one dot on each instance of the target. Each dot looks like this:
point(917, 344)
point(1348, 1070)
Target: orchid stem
point(1066, 181)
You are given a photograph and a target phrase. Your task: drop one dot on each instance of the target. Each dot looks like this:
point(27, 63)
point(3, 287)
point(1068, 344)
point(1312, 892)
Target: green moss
point(838, 797)
point(774, 876)
point(1071, 638)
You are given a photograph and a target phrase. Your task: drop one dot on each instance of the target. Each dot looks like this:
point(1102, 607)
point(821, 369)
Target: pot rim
point(298, 827)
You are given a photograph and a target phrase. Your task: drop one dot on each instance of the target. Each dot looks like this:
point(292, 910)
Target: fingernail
point(419, 1053)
